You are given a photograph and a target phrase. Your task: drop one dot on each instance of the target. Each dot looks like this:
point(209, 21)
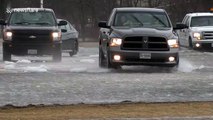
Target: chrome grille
point(208, 35)
point(145, 43)
point(32, 37)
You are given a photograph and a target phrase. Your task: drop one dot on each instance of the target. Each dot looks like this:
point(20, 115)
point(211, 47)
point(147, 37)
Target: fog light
point(197, 45)
point(117, 57)
point(171, 59)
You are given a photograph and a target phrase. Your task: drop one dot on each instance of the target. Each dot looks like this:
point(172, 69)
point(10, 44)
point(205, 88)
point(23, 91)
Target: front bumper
point(158, 58)
point(31, 49)
point(203, 44)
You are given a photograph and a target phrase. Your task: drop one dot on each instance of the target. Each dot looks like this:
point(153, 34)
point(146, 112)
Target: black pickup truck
point(32, 31)
point(138, 36)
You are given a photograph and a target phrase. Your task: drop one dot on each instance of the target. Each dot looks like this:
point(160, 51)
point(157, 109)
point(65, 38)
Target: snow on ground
point(87, 61)
point(24, 61)
point(24, 66)
point(41, 68)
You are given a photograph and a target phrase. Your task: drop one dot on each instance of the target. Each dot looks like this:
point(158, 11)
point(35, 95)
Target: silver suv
point(199, 34)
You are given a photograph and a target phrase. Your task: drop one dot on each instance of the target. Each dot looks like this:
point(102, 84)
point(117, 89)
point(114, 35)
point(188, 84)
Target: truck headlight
point(56, 36)
point(116, 42)
point(8, 36)
point(197, 35)
point(173, 43)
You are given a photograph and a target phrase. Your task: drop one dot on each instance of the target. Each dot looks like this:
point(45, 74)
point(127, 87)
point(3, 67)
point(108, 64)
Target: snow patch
point(78, 70)
point(9, 66)
point(186, 66)
point(41, 68)
point(24, 61)
point(87, 61)
point(94, 56)
point(201, 67)
point(9, 63)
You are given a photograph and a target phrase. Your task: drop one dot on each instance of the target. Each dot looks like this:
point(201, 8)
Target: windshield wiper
point(137, 20)
point(159, 20)
point(22, 23)
point(43, 23)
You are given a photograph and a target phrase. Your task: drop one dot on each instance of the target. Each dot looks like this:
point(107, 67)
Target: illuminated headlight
point(116, 42)
point(8, 35)
point(56, 36)
point(171, 59)
point(173, 43)
point(197, 35)
point(117, 57)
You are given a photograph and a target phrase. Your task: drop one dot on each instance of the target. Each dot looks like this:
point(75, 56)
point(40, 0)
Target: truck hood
point(201, 29)
point(123, 32)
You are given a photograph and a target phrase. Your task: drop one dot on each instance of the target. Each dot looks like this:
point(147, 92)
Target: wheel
point(75, 49)
point(6, 53)
point(102, 60)
point(190, 44)
point(57, 53)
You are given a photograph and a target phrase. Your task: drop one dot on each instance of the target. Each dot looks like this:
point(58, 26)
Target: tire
point(75, 49)
point(57, 53)
point(6, 53)
point(190, 44)
point(102, 60)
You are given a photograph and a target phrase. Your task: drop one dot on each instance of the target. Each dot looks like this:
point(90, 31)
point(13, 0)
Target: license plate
point(145, 55)
point(32, 51)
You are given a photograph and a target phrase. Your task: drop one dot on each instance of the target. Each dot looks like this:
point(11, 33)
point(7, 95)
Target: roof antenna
point(42, 3)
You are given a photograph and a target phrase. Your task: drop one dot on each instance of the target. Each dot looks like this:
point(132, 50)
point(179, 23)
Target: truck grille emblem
point(145, 40)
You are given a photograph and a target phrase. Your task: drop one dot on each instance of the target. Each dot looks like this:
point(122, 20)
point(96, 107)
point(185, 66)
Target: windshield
point(32, 18)
point(202, 21)
point(142, 19)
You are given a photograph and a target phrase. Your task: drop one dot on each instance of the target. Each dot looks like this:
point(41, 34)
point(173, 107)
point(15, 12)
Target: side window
point(188, 21)
point(185, 19)
point(68, 28)
point(63, 27)
point(111, 18)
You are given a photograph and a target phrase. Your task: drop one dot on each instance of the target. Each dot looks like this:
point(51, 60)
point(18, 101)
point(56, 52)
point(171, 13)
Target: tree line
point(85, 14)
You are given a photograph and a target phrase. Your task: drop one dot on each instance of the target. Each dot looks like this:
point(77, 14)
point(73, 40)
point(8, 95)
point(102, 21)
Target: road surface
point(78, 79)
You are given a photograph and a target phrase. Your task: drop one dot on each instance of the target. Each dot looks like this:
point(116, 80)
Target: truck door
point(181, 33)
point(187, 32)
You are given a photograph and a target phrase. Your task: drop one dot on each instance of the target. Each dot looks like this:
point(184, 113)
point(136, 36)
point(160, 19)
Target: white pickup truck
point(199, 34)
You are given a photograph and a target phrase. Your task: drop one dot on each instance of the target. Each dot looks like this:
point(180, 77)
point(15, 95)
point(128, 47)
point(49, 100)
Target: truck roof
point(200, 14)
point(127, 9)
point(31, 9)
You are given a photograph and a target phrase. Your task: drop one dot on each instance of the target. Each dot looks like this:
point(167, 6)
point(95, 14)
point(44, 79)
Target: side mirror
point(103, 24)
point(180, 26)
point(2, 22)
point(61, 23)
point(63, 30)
